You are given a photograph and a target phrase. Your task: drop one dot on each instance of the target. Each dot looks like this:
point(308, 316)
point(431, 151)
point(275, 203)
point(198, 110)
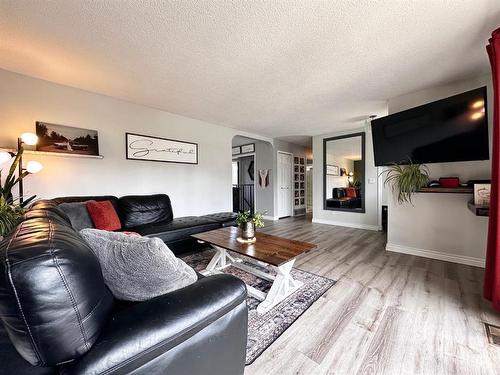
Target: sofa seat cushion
point(225, 219)
point(178, 229)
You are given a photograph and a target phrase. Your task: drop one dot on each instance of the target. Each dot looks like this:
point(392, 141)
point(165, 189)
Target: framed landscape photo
point(149, 148)
point(66, 139)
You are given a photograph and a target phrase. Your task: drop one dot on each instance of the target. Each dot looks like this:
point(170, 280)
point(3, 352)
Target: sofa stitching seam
point(35, 347)
point(93, 309)
point(71, 297)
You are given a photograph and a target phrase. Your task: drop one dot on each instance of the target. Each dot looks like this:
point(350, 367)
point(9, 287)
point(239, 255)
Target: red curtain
point(492, 273)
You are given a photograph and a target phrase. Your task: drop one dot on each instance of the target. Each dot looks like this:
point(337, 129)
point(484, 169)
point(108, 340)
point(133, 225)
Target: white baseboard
point(343, 224)
point(461, 259)
point(272, 218)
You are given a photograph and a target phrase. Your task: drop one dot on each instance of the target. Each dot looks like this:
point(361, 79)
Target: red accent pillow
point(350, 192)
point(103, 215)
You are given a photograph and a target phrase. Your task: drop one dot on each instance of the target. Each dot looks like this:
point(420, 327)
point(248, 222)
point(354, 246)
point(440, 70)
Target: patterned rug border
point(298, 316)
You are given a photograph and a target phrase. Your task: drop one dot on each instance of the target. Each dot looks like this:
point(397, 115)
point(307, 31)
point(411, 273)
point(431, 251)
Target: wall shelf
point(64, 154)
point(437, 189)
point(478, 210)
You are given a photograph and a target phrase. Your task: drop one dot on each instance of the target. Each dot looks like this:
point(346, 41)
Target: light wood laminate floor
point(389, 313)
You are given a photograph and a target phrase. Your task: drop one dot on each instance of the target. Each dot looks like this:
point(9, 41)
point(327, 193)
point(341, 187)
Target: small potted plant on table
point(248, 221)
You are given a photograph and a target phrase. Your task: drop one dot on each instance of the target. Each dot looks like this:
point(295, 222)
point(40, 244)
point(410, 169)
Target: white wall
point(194, 189)
point(264, 196)
point(440, 225)
point(366, 220)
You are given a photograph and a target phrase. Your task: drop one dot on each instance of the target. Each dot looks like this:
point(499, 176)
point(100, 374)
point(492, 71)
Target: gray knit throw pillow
point(137, 268)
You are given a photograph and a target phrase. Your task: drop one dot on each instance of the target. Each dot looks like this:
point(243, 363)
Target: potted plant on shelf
point(248, 221)
point(406, 180)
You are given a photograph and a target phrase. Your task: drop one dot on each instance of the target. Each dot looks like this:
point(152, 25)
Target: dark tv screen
point(448, 130)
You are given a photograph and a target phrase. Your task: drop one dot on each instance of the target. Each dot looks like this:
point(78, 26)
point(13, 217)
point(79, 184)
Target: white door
point(285, 199)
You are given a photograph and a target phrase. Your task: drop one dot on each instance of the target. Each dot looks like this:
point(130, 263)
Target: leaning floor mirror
point(344, 173)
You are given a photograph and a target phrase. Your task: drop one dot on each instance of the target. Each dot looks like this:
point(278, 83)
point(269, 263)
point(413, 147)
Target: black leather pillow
point(137, 210)
point(53, 301)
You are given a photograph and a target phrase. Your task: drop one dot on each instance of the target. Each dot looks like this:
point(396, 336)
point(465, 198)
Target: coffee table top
point(270, 249)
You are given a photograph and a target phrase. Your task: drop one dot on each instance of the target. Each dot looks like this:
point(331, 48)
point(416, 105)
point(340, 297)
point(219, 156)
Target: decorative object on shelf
point(264, 178)
point(482, 194)
point(406, 180)
point(248, 221)
point(11, 208)
point(245, 149)
point(332, 170)
point(66, 139)
point(449, 182)
point(150, 148)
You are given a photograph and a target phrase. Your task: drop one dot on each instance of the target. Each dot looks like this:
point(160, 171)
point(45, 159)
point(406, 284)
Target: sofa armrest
point(144, 331)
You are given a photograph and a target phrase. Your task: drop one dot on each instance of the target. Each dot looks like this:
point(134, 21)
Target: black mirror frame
point(325, 140)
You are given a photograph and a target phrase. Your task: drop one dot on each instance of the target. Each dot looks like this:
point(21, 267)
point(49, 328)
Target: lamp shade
point(29, 138)
point(5, 157)
point(34, 166)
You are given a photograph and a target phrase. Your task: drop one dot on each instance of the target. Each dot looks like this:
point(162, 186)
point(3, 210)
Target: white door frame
point(291, 183)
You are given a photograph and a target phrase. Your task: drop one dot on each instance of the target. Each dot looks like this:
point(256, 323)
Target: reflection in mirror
point(344, 173)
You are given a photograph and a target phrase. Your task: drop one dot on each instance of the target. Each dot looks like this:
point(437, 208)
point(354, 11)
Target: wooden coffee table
point(270, 250)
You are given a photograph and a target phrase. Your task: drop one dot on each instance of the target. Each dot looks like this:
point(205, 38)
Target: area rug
point(264, 329)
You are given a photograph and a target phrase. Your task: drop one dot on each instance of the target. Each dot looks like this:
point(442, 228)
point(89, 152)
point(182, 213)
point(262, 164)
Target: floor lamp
point(31, 167)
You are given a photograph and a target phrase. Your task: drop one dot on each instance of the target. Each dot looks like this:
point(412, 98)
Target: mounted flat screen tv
point(448, 130)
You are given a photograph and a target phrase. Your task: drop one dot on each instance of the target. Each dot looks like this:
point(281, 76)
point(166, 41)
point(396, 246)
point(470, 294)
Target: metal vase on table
point(248, 230)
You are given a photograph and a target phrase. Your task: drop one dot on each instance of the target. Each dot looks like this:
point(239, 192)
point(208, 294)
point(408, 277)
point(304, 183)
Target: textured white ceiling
point(277, 68)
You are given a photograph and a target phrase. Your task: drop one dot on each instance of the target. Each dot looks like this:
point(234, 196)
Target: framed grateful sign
point(149, 148)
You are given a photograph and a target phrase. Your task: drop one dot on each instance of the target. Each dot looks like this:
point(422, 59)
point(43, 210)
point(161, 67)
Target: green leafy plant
point(246, 216)
point(10, 208)
point(406, 180)
point(9, 216)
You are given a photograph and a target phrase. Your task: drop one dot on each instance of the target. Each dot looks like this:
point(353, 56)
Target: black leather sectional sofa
point(152, 216)
point(59, 317)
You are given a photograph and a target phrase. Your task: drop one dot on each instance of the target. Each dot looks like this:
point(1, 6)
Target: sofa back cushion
point(136, 210)
point(53, 301)
point(85, 198)
point(78, 214)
